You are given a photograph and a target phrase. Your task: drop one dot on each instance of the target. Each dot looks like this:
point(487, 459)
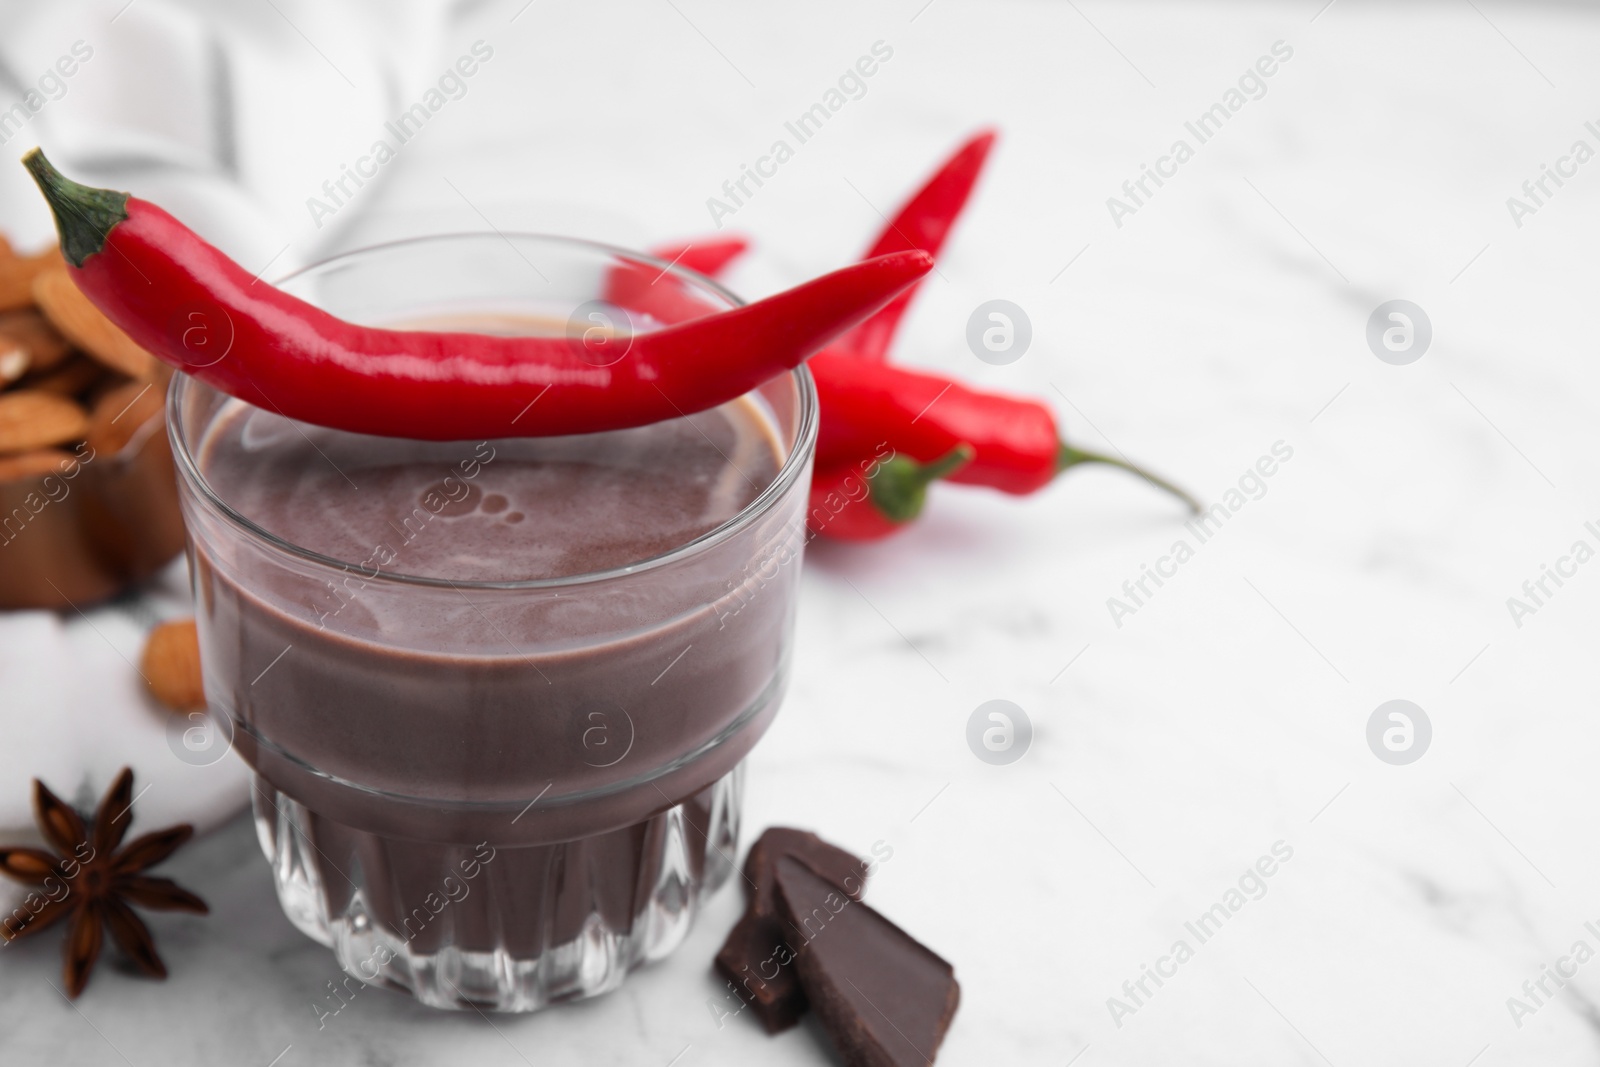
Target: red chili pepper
point(922, 223)
point(157, 280)
point(652, 292)
point(706, 255)
point(871, 499)
point(1018, 448)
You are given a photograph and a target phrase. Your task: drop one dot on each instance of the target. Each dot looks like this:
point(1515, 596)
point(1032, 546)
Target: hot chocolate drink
point(496, 692)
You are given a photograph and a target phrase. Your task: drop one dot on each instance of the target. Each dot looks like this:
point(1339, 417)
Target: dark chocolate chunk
point(829, 862)
point(756, 958)
point(883, 999)
point(759, 964)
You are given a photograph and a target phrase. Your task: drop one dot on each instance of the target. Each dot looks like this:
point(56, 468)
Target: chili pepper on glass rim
point(146, 271)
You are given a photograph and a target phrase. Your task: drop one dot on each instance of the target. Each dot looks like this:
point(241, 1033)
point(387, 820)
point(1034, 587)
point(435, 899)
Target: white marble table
point(1229, 712)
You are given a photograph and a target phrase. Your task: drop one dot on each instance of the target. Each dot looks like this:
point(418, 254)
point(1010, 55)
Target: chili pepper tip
point(924, 222)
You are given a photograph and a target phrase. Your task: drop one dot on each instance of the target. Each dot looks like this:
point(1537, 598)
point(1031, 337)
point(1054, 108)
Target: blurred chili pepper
point(869, 500)
point(922, 223)
point(1017, 445)
point(659, 295)
point(706, 255)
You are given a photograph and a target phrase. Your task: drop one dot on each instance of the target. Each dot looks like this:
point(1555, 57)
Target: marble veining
point(1228, 713)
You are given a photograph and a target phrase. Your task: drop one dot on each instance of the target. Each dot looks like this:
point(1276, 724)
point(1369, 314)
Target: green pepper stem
point(926, 474)
point(1069, 456)
point(84, 214)
point(900, 488)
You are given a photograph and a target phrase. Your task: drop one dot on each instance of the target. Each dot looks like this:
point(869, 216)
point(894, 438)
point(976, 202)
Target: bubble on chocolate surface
point(451, 498)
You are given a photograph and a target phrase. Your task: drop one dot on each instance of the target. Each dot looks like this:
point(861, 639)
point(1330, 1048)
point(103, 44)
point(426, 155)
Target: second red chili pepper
point(871, 499)
point(708, 255)
point(1017, 445)
point(923, 222)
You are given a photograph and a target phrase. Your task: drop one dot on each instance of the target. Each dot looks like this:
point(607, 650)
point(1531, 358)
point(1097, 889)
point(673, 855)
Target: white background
point(1230, 712)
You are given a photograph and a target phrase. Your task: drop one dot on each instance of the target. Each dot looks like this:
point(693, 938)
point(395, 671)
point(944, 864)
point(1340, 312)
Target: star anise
point(90, 882)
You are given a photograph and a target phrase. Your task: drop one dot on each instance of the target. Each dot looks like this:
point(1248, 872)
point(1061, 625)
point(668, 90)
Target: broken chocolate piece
point(757, 959)
point(828, 862)
point(759, 965)
point(883, 999)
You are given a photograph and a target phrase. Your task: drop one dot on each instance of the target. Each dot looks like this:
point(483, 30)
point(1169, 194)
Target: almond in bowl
point(88, 496)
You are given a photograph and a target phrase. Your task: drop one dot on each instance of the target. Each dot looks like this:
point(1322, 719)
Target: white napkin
point(76, 712)
point(232, 116)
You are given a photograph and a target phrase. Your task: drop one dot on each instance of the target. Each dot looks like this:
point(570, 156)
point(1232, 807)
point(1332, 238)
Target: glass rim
point(799, 455)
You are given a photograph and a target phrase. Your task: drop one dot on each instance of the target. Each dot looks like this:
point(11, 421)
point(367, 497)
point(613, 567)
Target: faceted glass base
point(500, 929)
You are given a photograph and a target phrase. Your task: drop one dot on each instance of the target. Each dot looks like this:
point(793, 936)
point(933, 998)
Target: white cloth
point(76, 711)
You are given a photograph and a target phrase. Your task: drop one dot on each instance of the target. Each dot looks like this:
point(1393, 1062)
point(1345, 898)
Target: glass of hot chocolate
point(496, 693)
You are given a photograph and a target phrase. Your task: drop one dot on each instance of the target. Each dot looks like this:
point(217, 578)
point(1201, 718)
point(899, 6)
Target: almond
point(16, 287)
point(36, 464)
point(97, 392)
point(14, 360)
point(171, 665)
point(17, 274)
point(120, 414)
point(85, 326)
point(77, 375)
point(45, 346)
point(31, 418)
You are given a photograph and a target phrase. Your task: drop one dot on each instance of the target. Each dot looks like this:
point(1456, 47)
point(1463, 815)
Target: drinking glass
point(494, 794)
